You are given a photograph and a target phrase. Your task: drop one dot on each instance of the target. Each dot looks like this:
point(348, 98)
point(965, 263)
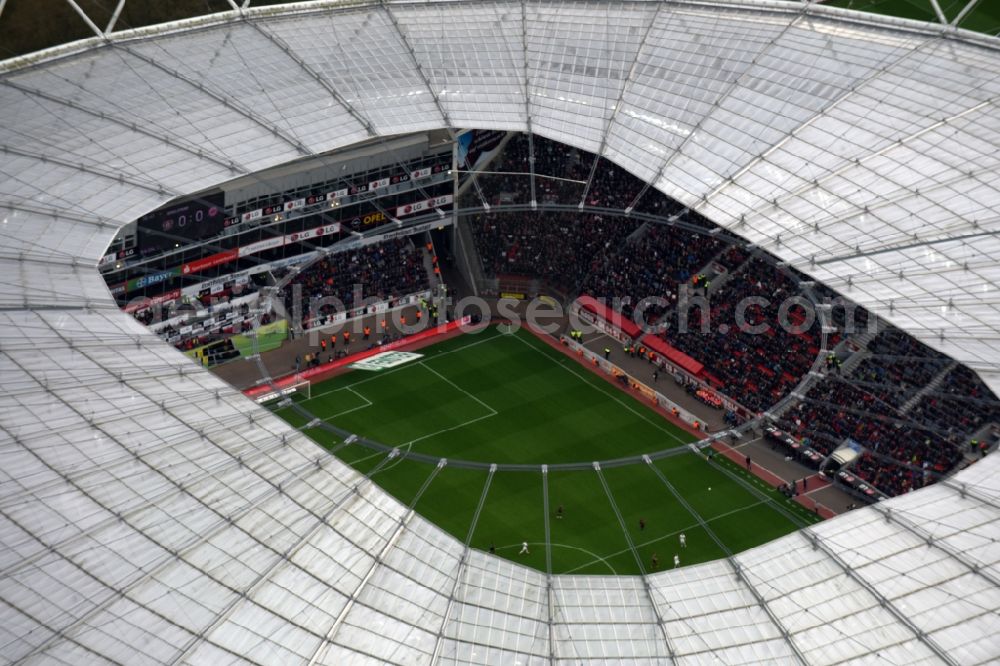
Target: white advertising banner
point(426, 204)
point(262, 245)
point(252, 215)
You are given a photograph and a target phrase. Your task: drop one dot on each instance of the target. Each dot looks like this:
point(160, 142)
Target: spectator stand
point(320, 372)
point(517, 287)
point(779, 373)
point(627, 381)
point(535, 170)
point(606, 319)
point(755, 370)
point(960, 403)
point(393, 271)
point(901, 454)
point(337, 321)
point(386, 270)
point(558, 248)
point(206, 334)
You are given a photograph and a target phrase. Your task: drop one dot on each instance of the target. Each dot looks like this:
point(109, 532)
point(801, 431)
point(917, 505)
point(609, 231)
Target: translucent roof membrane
point(365, 59)
point(473, 56)
point(579, 57)
point(149, 513)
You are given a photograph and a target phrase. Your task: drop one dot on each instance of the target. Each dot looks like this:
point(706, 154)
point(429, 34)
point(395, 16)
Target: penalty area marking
point(493, 412)
point(368, 403)
point(459, 388)
point(386, 373)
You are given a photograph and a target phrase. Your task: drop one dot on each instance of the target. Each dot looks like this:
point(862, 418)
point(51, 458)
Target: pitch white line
point(444, 430)
point(459, 388)
point(386, 373)
point(610, 395)
point(674, 534)
point(563, 545)
point(492, 413)
point(368, 403)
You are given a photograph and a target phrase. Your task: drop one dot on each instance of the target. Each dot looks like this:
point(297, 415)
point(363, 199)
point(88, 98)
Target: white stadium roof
point(150, 513)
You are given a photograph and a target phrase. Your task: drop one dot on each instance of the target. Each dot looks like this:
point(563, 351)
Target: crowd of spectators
point(560, 173)
point(195, 321)
point(377, 272)
point(654, 265)
point(961, 404)
point(755, 368)
point(907, 445)
point(733, 258)
point(560, 248)
point(614, 187)
point(898, 367)
point(905, 450)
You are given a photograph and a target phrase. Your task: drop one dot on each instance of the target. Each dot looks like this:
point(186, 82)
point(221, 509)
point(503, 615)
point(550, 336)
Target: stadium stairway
point(631, 239)
point(861, 341)
point(467, 258)
point(719, 281)
point(932, 385)
point(433, 279)
point(709, 265)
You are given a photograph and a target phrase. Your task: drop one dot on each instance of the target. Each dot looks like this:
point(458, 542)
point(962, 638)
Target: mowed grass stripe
point(588, 538)
point(547, 408)
point(513, 399)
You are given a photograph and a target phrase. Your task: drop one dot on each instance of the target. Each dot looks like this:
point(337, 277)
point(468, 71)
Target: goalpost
point(302, 387)
point(505, 327)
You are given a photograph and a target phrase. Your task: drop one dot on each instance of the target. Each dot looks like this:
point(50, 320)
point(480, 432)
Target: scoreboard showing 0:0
point(182, 218)
point(181, 222)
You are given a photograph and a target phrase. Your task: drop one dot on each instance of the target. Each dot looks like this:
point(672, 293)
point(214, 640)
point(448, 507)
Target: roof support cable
point(877, 68)
point(526, 82)
point(970, 5)
point(448, 125)
point(629, 78)
point(172, 553)
point(882, 600)
point(638, 560)
point(549, 590)
point(730, 88)
point(86, 19)
point(737, 569)
point(390, 543)
point(264, 576)
point(224, 522)
point(223, 99)
point(460, 569)
point(114, 17)
point(924, 535)
point(140, 128)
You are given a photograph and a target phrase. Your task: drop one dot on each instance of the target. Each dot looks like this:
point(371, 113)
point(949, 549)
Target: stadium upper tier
point(150, 513)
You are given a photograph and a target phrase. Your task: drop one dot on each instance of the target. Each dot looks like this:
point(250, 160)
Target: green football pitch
point(511, 399)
